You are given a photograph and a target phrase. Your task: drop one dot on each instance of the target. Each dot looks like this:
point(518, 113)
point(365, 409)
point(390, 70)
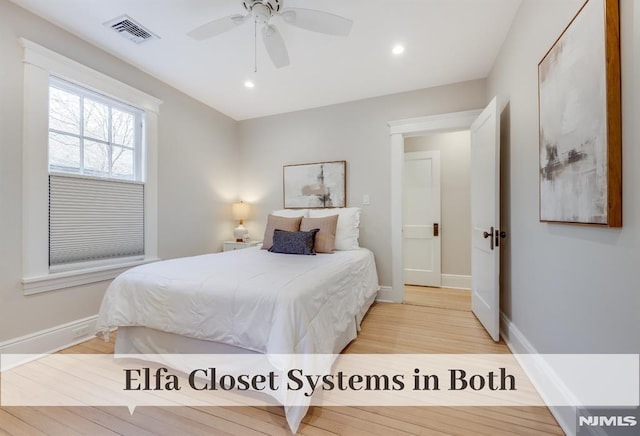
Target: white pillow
point(291, 213)
point(348, 228)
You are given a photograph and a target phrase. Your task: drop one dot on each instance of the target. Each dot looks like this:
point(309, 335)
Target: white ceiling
point(446, 41)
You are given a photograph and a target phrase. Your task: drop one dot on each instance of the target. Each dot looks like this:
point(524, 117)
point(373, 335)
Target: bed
point(243, 301)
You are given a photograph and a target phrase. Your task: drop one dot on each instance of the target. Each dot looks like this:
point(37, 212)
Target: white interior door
point(485, 219)
point(421, 216)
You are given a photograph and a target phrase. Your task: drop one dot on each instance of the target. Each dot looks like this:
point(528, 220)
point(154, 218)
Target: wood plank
point(77, 422)
point(443, 298)
point(154, 420)
point(524, 424)
point(393, 422)
point(251, 417)
point(207, 423)
point(345, 423)
point(102, 416)
point(35, 417)
point(14, 425)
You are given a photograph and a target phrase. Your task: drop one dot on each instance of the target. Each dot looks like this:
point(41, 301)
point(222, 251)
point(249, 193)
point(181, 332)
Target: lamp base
point(239, 233)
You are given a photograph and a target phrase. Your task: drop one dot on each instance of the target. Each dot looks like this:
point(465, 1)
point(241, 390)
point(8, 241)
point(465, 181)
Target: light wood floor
point(437, 321)
point(437, 297)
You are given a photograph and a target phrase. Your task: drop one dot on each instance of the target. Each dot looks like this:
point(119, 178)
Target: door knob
point(489, 235)
point(499, 235)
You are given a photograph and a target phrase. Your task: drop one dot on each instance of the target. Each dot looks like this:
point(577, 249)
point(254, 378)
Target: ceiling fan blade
point(217, 27)
point(275, 46)
point(317, 21)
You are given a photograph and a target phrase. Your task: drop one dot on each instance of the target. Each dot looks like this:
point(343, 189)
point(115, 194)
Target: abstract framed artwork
point(579, 92)
point(315, 185)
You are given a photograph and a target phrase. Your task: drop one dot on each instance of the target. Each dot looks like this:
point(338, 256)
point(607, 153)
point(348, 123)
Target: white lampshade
point(240, 211)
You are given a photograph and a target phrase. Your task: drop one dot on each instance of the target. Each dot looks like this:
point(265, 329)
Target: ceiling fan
point(262, 11)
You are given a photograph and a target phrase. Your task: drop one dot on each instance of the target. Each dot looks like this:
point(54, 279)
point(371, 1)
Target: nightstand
point(233, 245)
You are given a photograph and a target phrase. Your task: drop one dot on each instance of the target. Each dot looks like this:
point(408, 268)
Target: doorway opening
point(485, 205)
point(401, 131)
point(437, 210)
point(437, 220)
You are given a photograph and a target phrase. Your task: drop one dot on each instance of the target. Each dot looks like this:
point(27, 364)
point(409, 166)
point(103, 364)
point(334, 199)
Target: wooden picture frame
point(315, 185)
point(579, 96)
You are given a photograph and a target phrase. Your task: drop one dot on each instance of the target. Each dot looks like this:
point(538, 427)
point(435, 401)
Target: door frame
point(398, 130)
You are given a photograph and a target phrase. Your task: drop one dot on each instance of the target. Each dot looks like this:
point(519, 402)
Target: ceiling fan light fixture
point(249, 84)
point(398, 49)
point(261, 13)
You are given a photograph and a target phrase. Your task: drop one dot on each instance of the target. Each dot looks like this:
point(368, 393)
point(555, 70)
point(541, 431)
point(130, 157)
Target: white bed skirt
point(143, 340)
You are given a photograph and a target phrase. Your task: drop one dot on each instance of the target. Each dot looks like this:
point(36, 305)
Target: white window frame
point(39, 64)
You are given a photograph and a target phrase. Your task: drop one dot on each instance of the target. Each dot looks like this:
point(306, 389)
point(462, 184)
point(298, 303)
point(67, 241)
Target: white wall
point(356, 132)
point(455, 180)
point(566, 288)
point(197, 168)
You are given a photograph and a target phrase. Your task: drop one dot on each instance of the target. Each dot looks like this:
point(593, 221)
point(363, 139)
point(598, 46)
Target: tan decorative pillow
point(278, 222)
point(326, 237)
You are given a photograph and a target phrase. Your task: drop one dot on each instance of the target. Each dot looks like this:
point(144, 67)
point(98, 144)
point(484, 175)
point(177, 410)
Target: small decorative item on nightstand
point(232, 245)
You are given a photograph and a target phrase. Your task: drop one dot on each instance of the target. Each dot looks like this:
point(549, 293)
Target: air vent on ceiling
point(131, 30)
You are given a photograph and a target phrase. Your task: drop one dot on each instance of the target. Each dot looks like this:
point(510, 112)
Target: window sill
point(69, 279)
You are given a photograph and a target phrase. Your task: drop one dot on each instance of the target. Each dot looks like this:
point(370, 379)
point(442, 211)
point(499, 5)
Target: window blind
point(94, 219)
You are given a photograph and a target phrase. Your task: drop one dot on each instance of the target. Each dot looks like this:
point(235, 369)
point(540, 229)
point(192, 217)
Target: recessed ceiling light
point(249, 84)
point(398, 49)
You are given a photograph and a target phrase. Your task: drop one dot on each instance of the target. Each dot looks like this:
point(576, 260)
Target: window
point(99, 217)
point(90, 173)
point(93, 135)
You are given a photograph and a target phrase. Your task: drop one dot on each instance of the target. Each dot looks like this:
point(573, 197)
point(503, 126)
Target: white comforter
point(261, 301)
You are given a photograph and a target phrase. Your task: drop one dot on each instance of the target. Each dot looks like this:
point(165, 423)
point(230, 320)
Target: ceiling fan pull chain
point(255, 46)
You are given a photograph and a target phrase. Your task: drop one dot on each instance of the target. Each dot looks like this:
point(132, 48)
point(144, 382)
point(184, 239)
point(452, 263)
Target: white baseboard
point(456, 281)
point(539, 370)
point(52, 339)
point(386, 295)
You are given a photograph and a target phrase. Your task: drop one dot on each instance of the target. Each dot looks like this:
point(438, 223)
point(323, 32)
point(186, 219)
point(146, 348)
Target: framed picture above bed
point(580, 120)
point(315, 185)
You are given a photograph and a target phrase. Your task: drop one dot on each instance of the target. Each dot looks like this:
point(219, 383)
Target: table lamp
point(240, 212)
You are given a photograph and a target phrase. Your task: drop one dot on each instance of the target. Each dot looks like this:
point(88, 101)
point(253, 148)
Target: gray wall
point(455, 169)
point(356, 132)
point(568, 289)
point(197, 173)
